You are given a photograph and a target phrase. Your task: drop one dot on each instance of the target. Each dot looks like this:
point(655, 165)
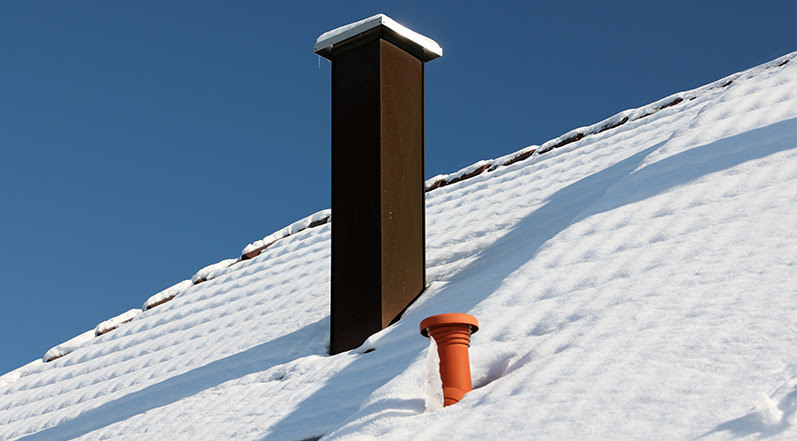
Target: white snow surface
point(636, 284)
point(68, 346)
point(117, 321)
point(287, 231)
point(212, 271)
point(16, 374)
point(337, 35)
point(167, 294)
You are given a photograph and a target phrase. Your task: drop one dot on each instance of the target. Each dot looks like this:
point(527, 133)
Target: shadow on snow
point(311, 339)
point(337, 400)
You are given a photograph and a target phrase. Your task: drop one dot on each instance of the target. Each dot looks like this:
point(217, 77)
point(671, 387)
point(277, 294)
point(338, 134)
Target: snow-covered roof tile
point(642, 266)
point(167, 294)
point(68, 346)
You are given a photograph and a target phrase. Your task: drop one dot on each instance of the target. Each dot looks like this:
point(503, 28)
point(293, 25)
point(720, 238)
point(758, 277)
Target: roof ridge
point(610, 123)
point(324, 216)
point(204, 274)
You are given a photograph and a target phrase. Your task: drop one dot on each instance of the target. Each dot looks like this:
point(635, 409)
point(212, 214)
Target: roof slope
point(636, 281)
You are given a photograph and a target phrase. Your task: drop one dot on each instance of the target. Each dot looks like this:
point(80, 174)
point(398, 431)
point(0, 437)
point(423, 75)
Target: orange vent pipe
point(452, 333)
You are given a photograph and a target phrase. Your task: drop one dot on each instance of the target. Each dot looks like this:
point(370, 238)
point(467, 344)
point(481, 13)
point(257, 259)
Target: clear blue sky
point(141, 141)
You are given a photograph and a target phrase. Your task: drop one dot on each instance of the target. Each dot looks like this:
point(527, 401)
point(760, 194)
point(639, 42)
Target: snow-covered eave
point(327, 41)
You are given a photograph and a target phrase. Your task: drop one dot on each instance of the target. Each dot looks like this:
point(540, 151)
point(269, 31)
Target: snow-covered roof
point(632, 279)
point(326, 41)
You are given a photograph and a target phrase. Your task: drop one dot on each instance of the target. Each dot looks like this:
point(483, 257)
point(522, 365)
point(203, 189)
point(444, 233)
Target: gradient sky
point(142, 141)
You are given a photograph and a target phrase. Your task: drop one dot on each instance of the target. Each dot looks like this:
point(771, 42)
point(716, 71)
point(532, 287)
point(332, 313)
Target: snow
point(68, 346)
point(167, 294)
point(293, 228)
point(115, 322)
point(16, 374)
point(212, 271)
point(328, 39)
point(635, 283)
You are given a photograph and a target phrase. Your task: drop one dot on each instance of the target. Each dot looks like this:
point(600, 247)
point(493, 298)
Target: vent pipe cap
point(451, 318)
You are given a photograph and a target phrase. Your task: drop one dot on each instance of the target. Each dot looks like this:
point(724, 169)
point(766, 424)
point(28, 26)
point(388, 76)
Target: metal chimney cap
point(422, 47)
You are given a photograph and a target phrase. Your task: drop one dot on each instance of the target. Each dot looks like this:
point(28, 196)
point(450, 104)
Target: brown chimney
point(378, 231)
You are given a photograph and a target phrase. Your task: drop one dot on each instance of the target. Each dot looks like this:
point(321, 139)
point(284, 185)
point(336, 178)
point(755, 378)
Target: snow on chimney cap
point(423, 47)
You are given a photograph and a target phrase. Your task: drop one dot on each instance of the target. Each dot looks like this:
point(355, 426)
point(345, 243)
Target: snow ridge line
point(324, 216)
point(209, 272)
point(612, 122)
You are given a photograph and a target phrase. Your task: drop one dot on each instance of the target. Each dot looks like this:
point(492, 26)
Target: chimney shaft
point(378, 231)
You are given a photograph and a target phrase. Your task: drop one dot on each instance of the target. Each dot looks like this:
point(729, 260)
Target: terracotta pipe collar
point(452, 333)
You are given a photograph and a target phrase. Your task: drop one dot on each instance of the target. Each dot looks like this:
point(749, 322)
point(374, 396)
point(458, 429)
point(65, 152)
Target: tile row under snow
point(638, 280)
